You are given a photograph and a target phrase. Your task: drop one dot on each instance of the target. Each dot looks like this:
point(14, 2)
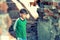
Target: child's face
point(3, 7)
point(24, 16)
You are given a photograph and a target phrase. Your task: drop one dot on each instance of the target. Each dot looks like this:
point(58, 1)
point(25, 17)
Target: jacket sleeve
point(15, 24)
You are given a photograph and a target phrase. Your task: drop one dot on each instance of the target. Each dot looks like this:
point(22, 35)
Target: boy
point(5, 21)
point(20, 25)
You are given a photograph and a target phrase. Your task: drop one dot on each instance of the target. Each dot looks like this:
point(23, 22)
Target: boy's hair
point(23, 11)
